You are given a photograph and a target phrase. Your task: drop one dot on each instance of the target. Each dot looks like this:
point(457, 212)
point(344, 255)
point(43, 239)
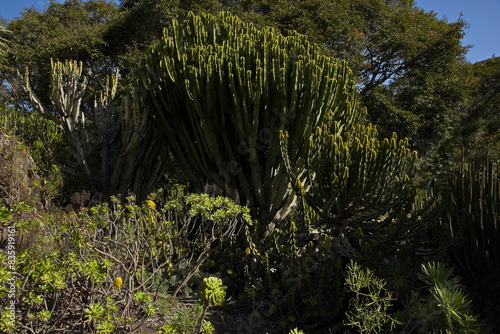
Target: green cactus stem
point(222, 90)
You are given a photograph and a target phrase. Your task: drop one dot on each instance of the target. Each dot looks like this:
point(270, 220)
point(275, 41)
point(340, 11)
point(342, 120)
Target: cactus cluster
point(355, 186)
point(115, 131)
point(68, 86)
point(131, 157)
point(348, 173)
point(222, 90)
point(471, 211)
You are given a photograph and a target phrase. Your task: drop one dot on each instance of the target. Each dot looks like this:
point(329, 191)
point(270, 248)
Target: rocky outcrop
point(20, 191)
point(18, 179)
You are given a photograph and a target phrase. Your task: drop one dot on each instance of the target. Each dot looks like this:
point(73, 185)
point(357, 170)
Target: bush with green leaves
point(370, 301)
point(106, 268)
point(168, 329)
point(444, 305)
point(210, 292)
point(5, 215)
point(45, 143)
point(183, 319)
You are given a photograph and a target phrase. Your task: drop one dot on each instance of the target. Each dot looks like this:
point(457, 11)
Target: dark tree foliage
point(140, 23)
point(101, 34)
point(475, 136)
point(479, 134)
point(408, 61)
point(105, 138)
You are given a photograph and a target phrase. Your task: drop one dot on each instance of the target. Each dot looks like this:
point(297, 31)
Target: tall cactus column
point(222, 90)
point(68, 85)
point(118, 131)
point(472, 211)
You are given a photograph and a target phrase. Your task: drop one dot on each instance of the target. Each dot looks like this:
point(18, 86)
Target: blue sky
point(483, 17)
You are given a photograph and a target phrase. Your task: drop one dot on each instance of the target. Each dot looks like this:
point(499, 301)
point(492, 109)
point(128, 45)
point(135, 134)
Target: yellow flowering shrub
point(140, 249)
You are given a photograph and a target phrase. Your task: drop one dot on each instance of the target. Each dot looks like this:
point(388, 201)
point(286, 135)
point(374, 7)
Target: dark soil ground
point(231, 318)
point(234, 318)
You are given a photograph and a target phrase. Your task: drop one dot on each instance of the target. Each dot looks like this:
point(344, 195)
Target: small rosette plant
point(212, 292)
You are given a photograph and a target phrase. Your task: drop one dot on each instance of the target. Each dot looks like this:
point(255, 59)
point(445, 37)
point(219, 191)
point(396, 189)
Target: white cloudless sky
point(483, 17)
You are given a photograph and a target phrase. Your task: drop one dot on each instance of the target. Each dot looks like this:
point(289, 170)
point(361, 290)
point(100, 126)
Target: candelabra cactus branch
point(349, 173)
point(118, 132)
point(131, 159)
point(221, 91)
point(357, 184)
point(67, 89)
point(472, 208)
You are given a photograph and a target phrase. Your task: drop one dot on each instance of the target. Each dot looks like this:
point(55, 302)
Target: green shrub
point(295, 277)
point(168, 329)
point(370, 301)
point(443, 307)
point(45, 141)
point(105, 269)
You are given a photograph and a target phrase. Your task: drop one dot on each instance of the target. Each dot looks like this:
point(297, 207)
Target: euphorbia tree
point(222, 90)
point(350, 175)
point(118, 133)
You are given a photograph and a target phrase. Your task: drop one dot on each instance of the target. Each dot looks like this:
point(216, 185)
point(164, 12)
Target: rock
point(20, 190)
point(18, 179)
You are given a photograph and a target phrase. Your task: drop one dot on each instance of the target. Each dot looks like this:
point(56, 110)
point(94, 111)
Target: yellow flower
point(150, 204)
point(248, 251)
point(118, 282)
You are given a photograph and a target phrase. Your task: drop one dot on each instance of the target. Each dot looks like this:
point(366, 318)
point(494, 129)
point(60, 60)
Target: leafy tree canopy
point(479, 136)
point(382, 40)
point(410, 64)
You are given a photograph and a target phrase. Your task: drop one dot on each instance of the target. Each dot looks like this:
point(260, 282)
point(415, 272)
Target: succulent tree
point(357, 185)
point(472, 208)
point(222, 90)
point(131, 159)
point(114, 131)
point(350, 174)
point(68, 85)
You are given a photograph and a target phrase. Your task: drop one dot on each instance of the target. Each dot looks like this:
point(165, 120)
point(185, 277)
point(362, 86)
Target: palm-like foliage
point(450, 304)
point(436, 273)
point(454, 306)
